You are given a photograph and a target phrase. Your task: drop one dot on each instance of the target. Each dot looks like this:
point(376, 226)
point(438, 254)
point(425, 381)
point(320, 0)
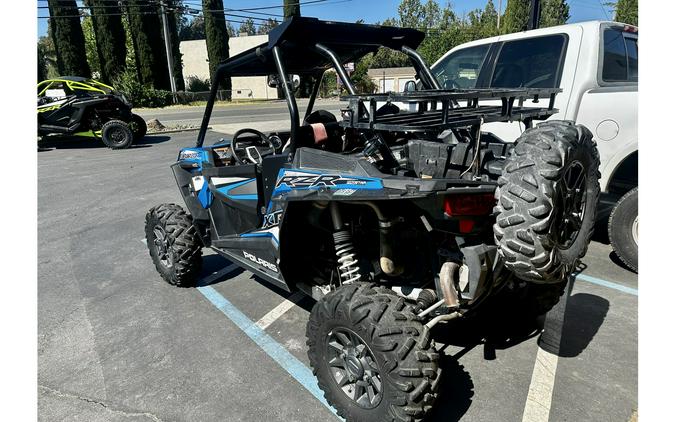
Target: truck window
point(615, 59)
point(632, 49)
point(461, 68)
point(532, 62)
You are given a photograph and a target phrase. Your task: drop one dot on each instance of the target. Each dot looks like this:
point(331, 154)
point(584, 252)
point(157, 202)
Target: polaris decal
point(290, 180)
point(260, 261)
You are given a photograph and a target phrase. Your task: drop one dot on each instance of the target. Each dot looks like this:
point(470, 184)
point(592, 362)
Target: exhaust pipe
point(447, 278)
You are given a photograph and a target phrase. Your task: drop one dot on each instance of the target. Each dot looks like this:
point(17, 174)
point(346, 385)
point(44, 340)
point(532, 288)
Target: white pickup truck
point(596, 65)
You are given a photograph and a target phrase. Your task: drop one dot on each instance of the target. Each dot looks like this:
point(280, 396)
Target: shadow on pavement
point(584, 316)
point(52, 143)
point(455, 392)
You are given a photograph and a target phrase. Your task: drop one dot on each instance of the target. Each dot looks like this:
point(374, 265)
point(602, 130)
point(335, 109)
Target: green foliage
point(217, 39)
point(90, 48)
point(145, 28)
point(141, 95)
point(291, 8)
point(247, 27)
point(104, 33)
point(196, 84)
point(66, 33)
point(516, 16)
point(193, 30)
point(267, 26)
point(47, 58)
point(328, 86)
point(626, 11)
point(554, 12)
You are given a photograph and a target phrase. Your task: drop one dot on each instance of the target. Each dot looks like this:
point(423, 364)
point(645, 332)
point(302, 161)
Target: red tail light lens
point(459, 205)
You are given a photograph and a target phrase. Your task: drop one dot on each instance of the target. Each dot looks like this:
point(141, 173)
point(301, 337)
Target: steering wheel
point(246, 151)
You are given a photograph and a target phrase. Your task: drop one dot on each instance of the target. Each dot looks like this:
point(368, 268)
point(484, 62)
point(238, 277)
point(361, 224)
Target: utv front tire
point(623, 229)
point(372, 357)
point(116, 134)
point(173, 244)
point(547, 200)
point(138, 127)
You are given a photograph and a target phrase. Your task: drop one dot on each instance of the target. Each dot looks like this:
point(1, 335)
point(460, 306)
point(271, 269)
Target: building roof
point(391, 72)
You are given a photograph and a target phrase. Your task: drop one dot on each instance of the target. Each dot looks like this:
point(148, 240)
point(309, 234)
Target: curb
point(160, 132)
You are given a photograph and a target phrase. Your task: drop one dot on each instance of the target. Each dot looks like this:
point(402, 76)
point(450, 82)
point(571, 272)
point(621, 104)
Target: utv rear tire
point(174, 245)
point(138, 127)
point(385, 344)
point(623, 227)
point(116, 134)
point(547, 201)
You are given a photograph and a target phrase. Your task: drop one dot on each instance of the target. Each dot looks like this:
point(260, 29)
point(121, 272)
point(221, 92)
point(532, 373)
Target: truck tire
point(541, 298)
point(116, 134)
point(623, 229)
point(173, 244)
point(547, 199)
point(372, 356)
point(138, 127)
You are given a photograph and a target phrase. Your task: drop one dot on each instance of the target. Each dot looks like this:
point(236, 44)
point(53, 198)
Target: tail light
point(465, 205)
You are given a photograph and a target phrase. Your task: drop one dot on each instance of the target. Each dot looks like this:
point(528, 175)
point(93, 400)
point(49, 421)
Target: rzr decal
point(260, 261)
point(323, 180)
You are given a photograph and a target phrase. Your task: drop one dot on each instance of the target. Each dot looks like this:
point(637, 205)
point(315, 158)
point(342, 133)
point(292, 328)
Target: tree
point(145, 27)
point(266, 27)
point(247, 28)
point(626, 11)
point(291, 8)
point(90, 48)
point(232, 31)
point(66, 33)
point(193, 30)
point(109, 36)
point(554, 12)
point(217, 40)
point(516, 16)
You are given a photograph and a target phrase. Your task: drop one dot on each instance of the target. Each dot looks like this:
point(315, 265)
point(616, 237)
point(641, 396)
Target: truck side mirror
point(410, 86)
point(274, 82)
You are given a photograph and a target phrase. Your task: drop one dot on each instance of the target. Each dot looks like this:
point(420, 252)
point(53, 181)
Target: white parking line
point(539, 396)
point(275, 313)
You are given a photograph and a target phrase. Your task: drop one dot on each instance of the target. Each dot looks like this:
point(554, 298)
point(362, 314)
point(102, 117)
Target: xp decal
point(272, 219)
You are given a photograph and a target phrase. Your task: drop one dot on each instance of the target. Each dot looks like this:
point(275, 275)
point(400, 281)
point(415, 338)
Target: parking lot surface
point(116, 343)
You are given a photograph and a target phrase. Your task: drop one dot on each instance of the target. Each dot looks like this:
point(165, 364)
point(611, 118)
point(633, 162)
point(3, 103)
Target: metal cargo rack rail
point(438, 110)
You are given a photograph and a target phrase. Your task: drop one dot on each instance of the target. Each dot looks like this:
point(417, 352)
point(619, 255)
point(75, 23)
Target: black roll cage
point(427, 78)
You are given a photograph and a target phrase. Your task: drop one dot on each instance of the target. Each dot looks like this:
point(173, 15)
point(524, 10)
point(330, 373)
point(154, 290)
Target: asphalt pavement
point(116, 343)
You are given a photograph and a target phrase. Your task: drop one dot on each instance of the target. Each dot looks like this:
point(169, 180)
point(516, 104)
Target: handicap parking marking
point(277, 312)
point(301, 373)
point(605, 283)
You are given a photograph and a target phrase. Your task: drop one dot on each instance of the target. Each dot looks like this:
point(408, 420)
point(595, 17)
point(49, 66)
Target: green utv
point(81, 107)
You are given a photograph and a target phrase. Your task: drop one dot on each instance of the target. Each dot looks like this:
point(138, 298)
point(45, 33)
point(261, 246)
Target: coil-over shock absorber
point(348, 264)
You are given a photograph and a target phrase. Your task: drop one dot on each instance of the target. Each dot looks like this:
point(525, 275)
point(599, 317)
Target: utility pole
point(535, 11)
point(167, 46)
point(499, 13)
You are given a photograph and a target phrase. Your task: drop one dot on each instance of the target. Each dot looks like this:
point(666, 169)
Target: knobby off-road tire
point(174, 245)
point(138, 127)
point(116, 134)
point(392, 348)
point(547, 201)
point(623, 229)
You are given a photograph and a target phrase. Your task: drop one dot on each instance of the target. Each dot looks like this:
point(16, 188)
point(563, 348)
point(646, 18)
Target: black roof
point(297, 37)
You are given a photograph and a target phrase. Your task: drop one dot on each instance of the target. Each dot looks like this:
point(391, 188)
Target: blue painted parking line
point(276, 351)
point(605, 283)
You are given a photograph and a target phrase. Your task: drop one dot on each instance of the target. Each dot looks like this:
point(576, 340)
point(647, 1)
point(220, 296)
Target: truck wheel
point(547, 201)
point(138, 127)
point(174, 245)
point(372, 356)
point(623, 229)
point(116, 134)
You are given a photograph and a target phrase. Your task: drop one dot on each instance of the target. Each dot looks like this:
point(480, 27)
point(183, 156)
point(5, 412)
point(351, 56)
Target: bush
point(141, 95)
point(195, 84)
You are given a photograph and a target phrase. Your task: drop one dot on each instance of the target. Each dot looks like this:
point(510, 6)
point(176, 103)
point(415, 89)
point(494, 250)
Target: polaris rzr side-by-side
point(396, 219)
point(76, 106)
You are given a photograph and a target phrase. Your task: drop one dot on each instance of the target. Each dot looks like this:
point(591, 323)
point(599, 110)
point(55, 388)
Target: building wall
point(196, 63)
point(391, 79)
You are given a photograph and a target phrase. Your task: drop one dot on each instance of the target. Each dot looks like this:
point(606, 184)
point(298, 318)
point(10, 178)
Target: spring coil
point(346, 257)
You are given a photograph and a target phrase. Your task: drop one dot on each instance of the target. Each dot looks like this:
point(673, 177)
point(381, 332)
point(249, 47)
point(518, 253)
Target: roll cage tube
point(315, 92)
point(338, 67)
point(287, 86)
point(422, 68)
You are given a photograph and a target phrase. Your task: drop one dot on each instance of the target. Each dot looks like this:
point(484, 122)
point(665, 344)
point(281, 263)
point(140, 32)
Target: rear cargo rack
point(438, 110)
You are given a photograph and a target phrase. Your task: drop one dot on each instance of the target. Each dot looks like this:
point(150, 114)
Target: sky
point(377, 10)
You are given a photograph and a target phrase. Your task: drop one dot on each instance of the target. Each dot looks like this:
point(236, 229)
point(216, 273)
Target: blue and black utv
point(398, 215)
